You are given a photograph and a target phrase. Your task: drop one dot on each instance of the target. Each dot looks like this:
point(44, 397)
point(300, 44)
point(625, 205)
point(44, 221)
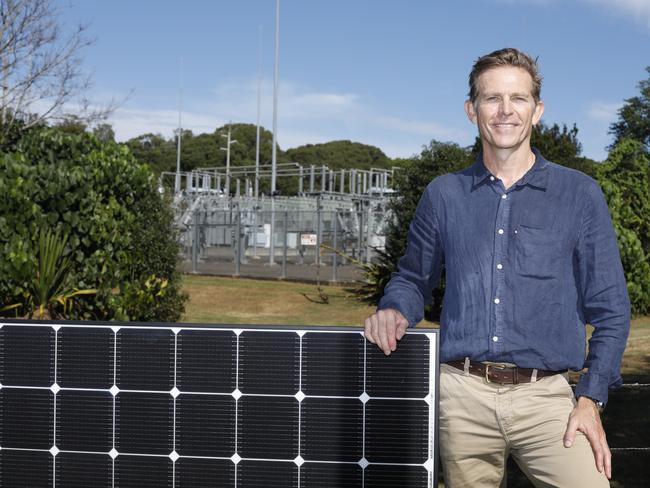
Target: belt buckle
point(487, 371)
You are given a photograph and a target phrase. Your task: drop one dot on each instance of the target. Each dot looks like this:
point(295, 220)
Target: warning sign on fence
point(308, 239)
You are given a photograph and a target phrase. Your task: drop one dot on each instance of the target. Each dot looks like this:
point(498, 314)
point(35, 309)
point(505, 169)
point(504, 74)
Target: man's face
point(504, 110)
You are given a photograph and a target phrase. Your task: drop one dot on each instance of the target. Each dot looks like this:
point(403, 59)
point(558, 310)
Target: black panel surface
point(84, 421)
point(204, 473)
point(145, 359)
point(144, 423)
point(269, 362)
point(404, 375)
point(382, 476)
point(327, 475)
point(184, 406)
point(396, 431)
point(25, 469)
point(85, 358)
point(84, 470)
point(27, 356)
point(263, 474)
point(332, 429)
point(205, 425)
point(143, 472)
point(26, 421)
point(332, 364)
point(207, 361)
point(268, 427)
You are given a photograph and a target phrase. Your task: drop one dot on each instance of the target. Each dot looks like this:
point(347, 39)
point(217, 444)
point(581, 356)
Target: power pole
point(177, 182)
point(229, 142)
point(259, 103)
point(276, 77)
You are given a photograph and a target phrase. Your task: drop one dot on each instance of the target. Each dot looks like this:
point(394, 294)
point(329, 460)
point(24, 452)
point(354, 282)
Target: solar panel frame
point(125, 473)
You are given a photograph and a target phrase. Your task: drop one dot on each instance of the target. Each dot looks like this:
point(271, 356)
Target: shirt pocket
point(537, 251)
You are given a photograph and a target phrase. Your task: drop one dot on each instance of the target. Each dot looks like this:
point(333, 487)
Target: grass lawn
point(246, 301)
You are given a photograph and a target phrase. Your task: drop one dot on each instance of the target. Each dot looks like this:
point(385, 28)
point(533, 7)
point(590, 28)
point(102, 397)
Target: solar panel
point(194, 406)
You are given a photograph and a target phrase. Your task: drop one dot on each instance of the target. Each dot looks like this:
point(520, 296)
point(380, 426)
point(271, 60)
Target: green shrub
point(119, 229)
point(625, 180)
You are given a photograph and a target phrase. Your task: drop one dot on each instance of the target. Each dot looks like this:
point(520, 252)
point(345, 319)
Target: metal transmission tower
point(229, 143)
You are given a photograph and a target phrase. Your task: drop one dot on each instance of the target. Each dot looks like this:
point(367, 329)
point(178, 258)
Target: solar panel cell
point(145, 359)
point(331, 429)
point(26, 420)
point(262, 474)
point(204, 473)
point(267, 427)
point(328, 475)
point(85, 357)
point(403, 375)
point(144, 423)
point(25, 469)
point(75, 470)
point(388, 476)
point(332, 364)
point(205, 425)
point(397, 432)
point(27, 356)
point(269, 362)
point(84, 421)
point(143, 472)
point(206, 361)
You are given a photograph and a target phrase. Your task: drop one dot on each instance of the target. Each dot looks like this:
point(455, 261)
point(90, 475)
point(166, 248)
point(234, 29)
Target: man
point(530, 257)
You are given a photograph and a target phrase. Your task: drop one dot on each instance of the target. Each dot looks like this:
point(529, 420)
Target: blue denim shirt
point(526, 268)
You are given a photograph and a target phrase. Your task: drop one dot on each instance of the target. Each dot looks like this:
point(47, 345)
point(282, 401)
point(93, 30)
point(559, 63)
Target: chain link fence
point(313, 245)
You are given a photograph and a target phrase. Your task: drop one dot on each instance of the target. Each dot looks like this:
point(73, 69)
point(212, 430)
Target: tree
point(340, 154)
point(39, 65)
point(634, 116)
point(104, 132)
point(557, 144)
point(625, 180)
point(436, 159)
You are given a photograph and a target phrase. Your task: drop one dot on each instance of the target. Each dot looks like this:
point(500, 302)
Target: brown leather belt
point(504, 375)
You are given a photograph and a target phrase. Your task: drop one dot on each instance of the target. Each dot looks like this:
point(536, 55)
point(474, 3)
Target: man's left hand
point(585, 418)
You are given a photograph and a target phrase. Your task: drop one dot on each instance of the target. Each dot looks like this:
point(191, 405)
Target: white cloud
point(638, 10)
point(132, 122)
point(304, 116)
point(603, 111)
point(432, 130)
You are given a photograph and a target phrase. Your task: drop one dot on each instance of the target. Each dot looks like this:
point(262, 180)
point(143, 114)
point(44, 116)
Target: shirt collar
point(536, 176)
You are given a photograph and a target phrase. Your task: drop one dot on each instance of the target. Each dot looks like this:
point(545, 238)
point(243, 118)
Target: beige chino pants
point(482, 423)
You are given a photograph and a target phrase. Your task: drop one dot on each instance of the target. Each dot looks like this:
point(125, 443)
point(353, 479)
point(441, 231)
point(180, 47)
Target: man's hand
point(586, 419)
point(385, 328)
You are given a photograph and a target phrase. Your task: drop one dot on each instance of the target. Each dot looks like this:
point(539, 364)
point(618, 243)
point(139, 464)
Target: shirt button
point(495, 338)
point(516, 231)
point(491, 178)
point(496, 300)
point(504, 196)
point(501, 231)
point(499, 266)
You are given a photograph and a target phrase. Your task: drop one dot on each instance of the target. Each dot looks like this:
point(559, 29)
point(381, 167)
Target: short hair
point(505, 57)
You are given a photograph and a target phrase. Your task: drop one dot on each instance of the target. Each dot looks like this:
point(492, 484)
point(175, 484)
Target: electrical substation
point(335, 221)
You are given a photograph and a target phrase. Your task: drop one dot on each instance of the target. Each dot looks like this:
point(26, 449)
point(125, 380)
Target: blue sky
point(383, 72)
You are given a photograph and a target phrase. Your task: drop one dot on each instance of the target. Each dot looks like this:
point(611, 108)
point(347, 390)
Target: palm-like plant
point(51, 286)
